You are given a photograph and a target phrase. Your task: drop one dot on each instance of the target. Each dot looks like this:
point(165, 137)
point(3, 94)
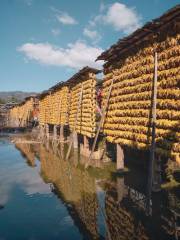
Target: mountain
point(14, 96)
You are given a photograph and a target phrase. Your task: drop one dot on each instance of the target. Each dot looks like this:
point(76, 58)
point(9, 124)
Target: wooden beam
point(153, 143)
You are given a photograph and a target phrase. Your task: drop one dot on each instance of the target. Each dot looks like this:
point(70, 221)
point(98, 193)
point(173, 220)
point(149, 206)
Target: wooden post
point(86, 143)
point(119, 158)
point(47, 145)
point(62, 150)
point(156, 187)
point(41, 133)
point(75, 139)
point(47, 131)
point(101, 123)
point(55, 132)
point(152, 184)
point(84, 148)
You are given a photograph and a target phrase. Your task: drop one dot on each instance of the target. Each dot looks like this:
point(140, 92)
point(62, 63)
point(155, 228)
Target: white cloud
point(65, 18)
point(76, 55)
point(5, 194)
point(95, 20)
point(119, 16)
point(55, 31)
point(122, 18)
point(92, 34)
point(32, 183)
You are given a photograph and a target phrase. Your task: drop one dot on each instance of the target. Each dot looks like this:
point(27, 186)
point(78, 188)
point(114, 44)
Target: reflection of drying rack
point(176, 224)
point(171, 223)
point(139, 199)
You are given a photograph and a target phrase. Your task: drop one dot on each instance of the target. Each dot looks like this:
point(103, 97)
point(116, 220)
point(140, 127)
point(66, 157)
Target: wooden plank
point(101, 123)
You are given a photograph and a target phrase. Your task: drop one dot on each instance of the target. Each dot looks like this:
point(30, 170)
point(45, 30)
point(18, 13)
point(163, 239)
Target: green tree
point(14, 99)
point(2, 101)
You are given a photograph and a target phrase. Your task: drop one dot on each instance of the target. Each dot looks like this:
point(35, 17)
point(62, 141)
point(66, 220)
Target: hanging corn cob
point(21, 114)
point(61, 106)
point(86, 119)
point(130, 63)
point(42, 118)
point(54, 106)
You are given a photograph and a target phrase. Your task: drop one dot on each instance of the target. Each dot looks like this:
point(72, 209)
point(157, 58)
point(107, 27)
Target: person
point(35, 117)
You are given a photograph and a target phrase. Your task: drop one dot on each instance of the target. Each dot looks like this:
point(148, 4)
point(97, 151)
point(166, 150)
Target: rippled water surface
point(45, 197)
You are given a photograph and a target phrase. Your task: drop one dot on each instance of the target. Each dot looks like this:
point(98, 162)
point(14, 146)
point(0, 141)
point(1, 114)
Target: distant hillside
point(15, 96)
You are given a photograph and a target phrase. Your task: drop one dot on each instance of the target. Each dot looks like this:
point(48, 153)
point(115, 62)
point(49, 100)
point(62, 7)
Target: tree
point(14, 99)
point(2, 101)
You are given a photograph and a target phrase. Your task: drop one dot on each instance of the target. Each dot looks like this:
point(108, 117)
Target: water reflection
point(27, 151)
point(122, 209)
point(76, 188)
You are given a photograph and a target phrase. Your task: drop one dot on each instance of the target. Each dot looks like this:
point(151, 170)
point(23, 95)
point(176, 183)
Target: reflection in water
point(27, 151)
point(75, 187)
point(124, 208)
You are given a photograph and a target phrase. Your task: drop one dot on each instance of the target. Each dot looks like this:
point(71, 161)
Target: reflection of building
point(125, 208)
point(75, 187)
point(171, 217)
point(121, 222)
point(126, 211)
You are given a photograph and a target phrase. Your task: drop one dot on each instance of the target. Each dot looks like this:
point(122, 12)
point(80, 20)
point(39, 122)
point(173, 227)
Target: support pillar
point(41, 133)
point(75, 140)
point(62, 153)
point(86, 145)
point(47, 131)
point(156, 185)
point(119, 158)
point(47, 145)
point(55, 132)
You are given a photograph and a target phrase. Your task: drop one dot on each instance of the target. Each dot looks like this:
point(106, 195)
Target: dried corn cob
point(128, 120)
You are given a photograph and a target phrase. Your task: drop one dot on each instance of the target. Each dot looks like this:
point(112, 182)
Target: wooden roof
point(31, 96)
point(76, 77)
point(79, 76)
point(141, 34)
point(43, 94)
point(26, 99)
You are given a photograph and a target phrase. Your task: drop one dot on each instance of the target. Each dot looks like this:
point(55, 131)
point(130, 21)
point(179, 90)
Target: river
point(44, 197)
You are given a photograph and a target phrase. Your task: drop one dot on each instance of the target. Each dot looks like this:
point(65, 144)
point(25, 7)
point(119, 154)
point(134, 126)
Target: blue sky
point(46, 41)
